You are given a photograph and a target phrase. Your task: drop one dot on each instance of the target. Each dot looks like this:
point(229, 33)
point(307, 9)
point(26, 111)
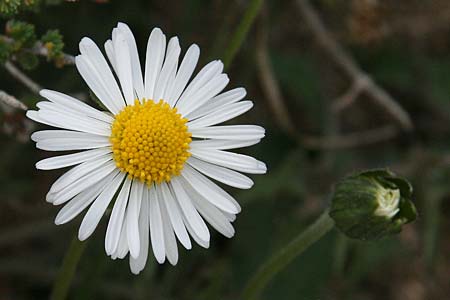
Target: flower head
point(372, 204)
point(147, 156)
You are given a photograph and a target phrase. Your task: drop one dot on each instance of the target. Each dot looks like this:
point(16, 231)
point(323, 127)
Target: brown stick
point(22, 77)
point(269, 83)
point(349, 66)
point(11, 101)
point(352, 140)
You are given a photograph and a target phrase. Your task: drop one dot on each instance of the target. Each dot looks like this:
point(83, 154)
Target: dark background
point(316, 134)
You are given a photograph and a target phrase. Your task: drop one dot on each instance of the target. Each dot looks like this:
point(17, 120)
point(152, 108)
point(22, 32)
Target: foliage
point(403, 45)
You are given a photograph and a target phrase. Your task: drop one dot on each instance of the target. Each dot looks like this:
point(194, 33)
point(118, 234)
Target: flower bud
point(372, 204)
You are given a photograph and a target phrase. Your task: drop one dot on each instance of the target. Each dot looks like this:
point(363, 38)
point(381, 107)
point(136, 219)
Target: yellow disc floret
point(150, 141)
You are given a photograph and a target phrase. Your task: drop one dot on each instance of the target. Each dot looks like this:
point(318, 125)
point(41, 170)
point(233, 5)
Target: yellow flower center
point(150, 141)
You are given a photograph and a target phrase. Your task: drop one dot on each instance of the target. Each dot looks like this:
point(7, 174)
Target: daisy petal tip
point(50, 197)
point(173, 262)
point(157, 30)
point(160, 260)
point(262, 166)
point(82, 236)
point(135, 271)
point(31, 114)
point(44, 93)
point(134, 252)
point(195, 48)
point(85, 41)
point(58, 220)
point(83, 233)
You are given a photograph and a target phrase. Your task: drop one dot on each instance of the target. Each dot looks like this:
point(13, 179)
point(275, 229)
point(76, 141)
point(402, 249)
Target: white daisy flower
point(148, 156)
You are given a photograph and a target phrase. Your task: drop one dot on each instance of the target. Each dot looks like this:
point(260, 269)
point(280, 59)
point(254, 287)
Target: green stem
point(68, 268)
point(340, 253)
point(241, 31)
point(286, 255)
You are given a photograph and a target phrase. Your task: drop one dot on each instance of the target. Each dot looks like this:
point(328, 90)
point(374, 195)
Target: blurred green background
point(314, 137)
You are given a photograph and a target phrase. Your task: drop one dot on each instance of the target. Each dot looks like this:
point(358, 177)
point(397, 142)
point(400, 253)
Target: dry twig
point(278, 106)
point(11, 101)
point(349, 66)
point(22, 77)
point(270, 84)
point(352, 140)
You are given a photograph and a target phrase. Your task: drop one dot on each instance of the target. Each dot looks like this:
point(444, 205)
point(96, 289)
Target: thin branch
point(352, 140)
point(349, 66)
point(269, 83)
point(278, 106)
point(351, 95)
point(22, 77)
point(11, 101)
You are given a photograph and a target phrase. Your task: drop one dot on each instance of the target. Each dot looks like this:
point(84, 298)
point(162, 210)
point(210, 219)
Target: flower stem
point(241, 32)
point(286, 255)
point(68, 268)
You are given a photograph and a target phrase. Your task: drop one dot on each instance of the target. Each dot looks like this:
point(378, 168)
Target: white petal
point(41, 135)
point(214, 216)
point(123, 61)
point(69, 122)
point(230, 217)
point(81, 184)
point(92, 54)
point(138, 264)
point(209, 190)
point(202, 95)
point(235, 161)
point(78, 172)
point(228, 112)
point(156, 48)
point(189, 211)
point(138, 82)
point(46, 106)
point(227, 176)
point(117, 219)
point(96, 84)
point(109, 48)
point(206, 74)
point(187, 67)
point(62, 140)
point(63, 161)
point(215, 104)
point(122, 248)
point(170, 64)
point(134, 206)
point(75, 206)
point(197, 239)
point(222, 144)
point(175, 215)
point(97, 209)
point(75, 104)
point(230, 132)
point(169, 237)
point(170, 83)
point(156, 227)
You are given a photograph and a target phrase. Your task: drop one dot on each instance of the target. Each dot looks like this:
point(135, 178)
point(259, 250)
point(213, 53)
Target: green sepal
point(356, 200)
